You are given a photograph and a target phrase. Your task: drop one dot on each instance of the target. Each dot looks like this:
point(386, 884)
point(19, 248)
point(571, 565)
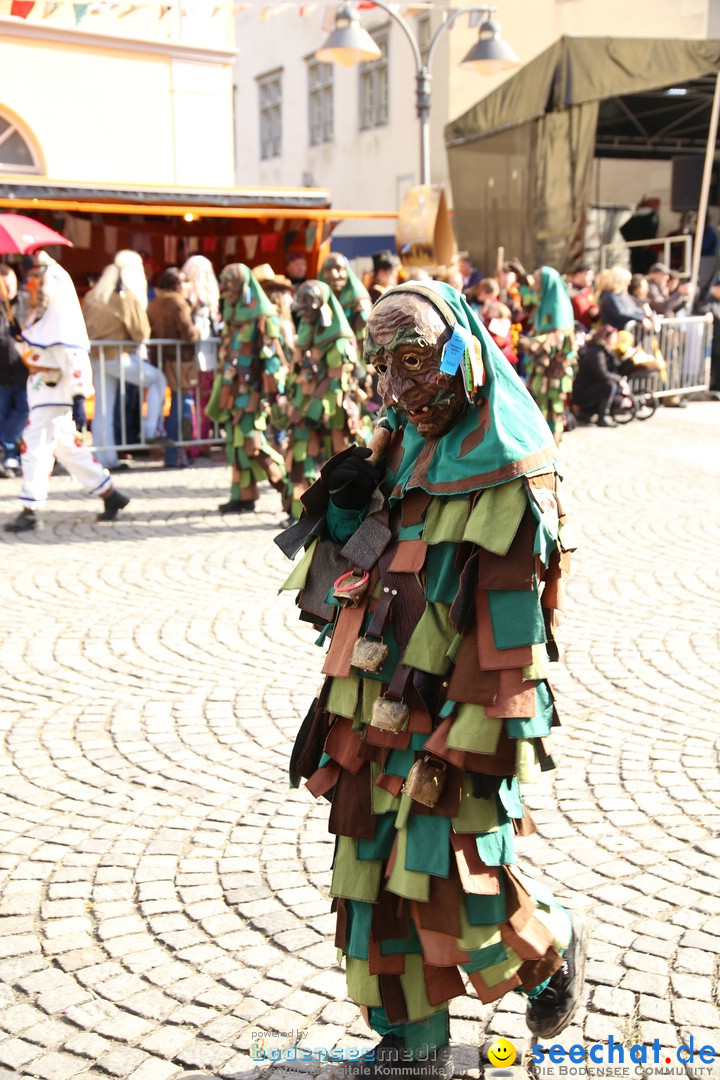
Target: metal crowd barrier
point(685, 343)
point(128, 363)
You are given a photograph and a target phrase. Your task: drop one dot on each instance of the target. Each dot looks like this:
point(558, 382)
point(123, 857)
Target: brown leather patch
point(345, 634)
point(515, 698)
point(531, 943)
point(414, 505)
point(515, 569)
point(442, 983)
point(473, 440)
point(467, 682)
point(534, 972)
point(393, 998)
point(392, 784)
point(343, 745)
point(409, 557)
point(323, 779)
point(476, 877)
point(351, 813)
point(487, 993)
point(441, 911)
point(501, 763)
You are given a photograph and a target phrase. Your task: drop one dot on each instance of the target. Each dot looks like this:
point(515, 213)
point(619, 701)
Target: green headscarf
point(331, 324)
point(554, 310)
point(352, 290)
point(501, 435)
point(253, 303)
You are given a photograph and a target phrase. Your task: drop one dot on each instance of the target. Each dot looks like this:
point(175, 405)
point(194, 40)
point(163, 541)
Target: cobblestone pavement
point(164, 896)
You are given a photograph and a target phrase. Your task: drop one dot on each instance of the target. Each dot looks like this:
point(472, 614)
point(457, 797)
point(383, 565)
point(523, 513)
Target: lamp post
point(349, 44)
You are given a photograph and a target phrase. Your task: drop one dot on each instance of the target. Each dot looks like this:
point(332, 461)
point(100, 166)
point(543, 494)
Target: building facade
point(118, 93)
point(354, 130)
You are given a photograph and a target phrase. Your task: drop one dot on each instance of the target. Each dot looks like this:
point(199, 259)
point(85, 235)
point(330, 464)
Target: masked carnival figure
point(550, 357)
point(433, 564)
point(325, 356)
point(251, 374)
point(55, 349)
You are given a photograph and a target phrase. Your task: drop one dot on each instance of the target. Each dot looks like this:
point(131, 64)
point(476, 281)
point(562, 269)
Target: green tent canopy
point(520, 160)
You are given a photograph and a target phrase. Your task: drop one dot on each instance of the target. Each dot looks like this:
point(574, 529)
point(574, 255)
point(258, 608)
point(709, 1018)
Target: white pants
point(50, 434)
point(139, 372)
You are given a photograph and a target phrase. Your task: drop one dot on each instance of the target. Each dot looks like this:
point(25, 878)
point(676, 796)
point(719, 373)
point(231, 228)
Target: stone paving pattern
point(163, 895)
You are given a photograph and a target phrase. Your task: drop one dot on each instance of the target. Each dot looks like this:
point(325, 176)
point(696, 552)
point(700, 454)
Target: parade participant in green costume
point(350, 291)
point(436, 574)
point(325, 355)
point(251, 373)
point(550, 361)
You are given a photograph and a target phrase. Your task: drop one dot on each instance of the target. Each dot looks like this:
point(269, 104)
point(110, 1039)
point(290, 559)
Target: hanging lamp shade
point(349, 43)
point(491, 54)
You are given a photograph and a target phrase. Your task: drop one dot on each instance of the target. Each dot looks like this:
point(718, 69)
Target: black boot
point(552, 1010)
point(114, 501)
point(606, 421)
point(237, 506)
point(24, 522)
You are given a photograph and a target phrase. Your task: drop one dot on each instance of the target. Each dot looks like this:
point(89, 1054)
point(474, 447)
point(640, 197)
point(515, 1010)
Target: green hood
point(253, 303)
point(336, 324)
point(554, 310)
point(501, 435)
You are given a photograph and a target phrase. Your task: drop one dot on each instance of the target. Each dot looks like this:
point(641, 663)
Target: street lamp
point(350, 44)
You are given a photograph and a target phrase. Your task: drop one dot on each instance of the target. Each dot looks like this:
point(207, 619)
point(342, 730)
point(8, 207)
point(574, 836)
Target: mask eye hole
point(381, 367)
point(410, 360)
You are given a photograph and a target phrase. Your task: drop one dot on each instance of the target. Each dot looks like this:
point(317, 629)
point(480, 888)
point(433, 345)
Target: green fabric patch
point(430, 640)
point(476, 815)
point(363, 988)
point(496, 517)
point(474, 731)
point(370, 693)
point(516, 617)
point(352, 878)
point(476, 937)
point(342, 524)
point(405, 946)
point(299, 572)
point(421, 1038)
point(413, 984)
point(404, 882)
point(399, 762)
point(511, 798)
point(382, 842)
point(539, 667)
point(411, 532)
point(343, 696)
point(403, 813)
point(443, 577)
point(486, 910)
point(485, 958)
point(428, 845)
point(445, 520)
point(381, 800)
point(498, 973)
point(538, 725)
point(497, 848)
point(527, 764)
point(359, 921)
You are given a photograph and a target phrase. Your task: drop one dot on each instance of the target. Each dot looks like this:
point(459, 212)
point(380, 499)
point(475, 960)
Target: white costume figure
point(55, 351)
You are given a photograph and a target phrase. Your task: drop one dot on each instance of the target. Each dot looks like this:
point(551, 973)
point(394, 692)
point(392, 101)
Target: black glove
point(78, 412)
point(353, 480)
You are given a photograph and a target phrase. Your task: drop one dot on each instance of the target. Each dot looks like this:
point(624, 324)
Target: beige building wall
point(122, 102)
point(370, 170)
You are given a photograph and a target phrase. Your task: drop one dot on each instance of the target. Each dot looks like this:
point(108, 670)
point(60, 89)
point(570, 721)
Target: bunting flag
point(49, 9)
point(81, 11)
point(21, 8)
point(164, 10)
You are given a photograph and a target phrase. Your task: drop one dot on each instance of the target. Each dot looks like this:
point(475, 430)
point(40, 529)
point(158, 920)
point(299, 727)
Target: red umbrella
point(19, 235)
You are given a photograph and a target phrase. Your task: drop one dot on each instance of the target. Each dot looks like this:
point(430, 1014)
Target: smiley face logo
point(501, 1053)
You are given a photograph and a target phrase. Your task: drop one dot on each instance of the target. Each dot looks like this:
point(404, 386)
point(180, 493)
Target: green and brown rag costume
point(251, 374)
point(465, 547)
point(551, 360)
point(317, 420)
